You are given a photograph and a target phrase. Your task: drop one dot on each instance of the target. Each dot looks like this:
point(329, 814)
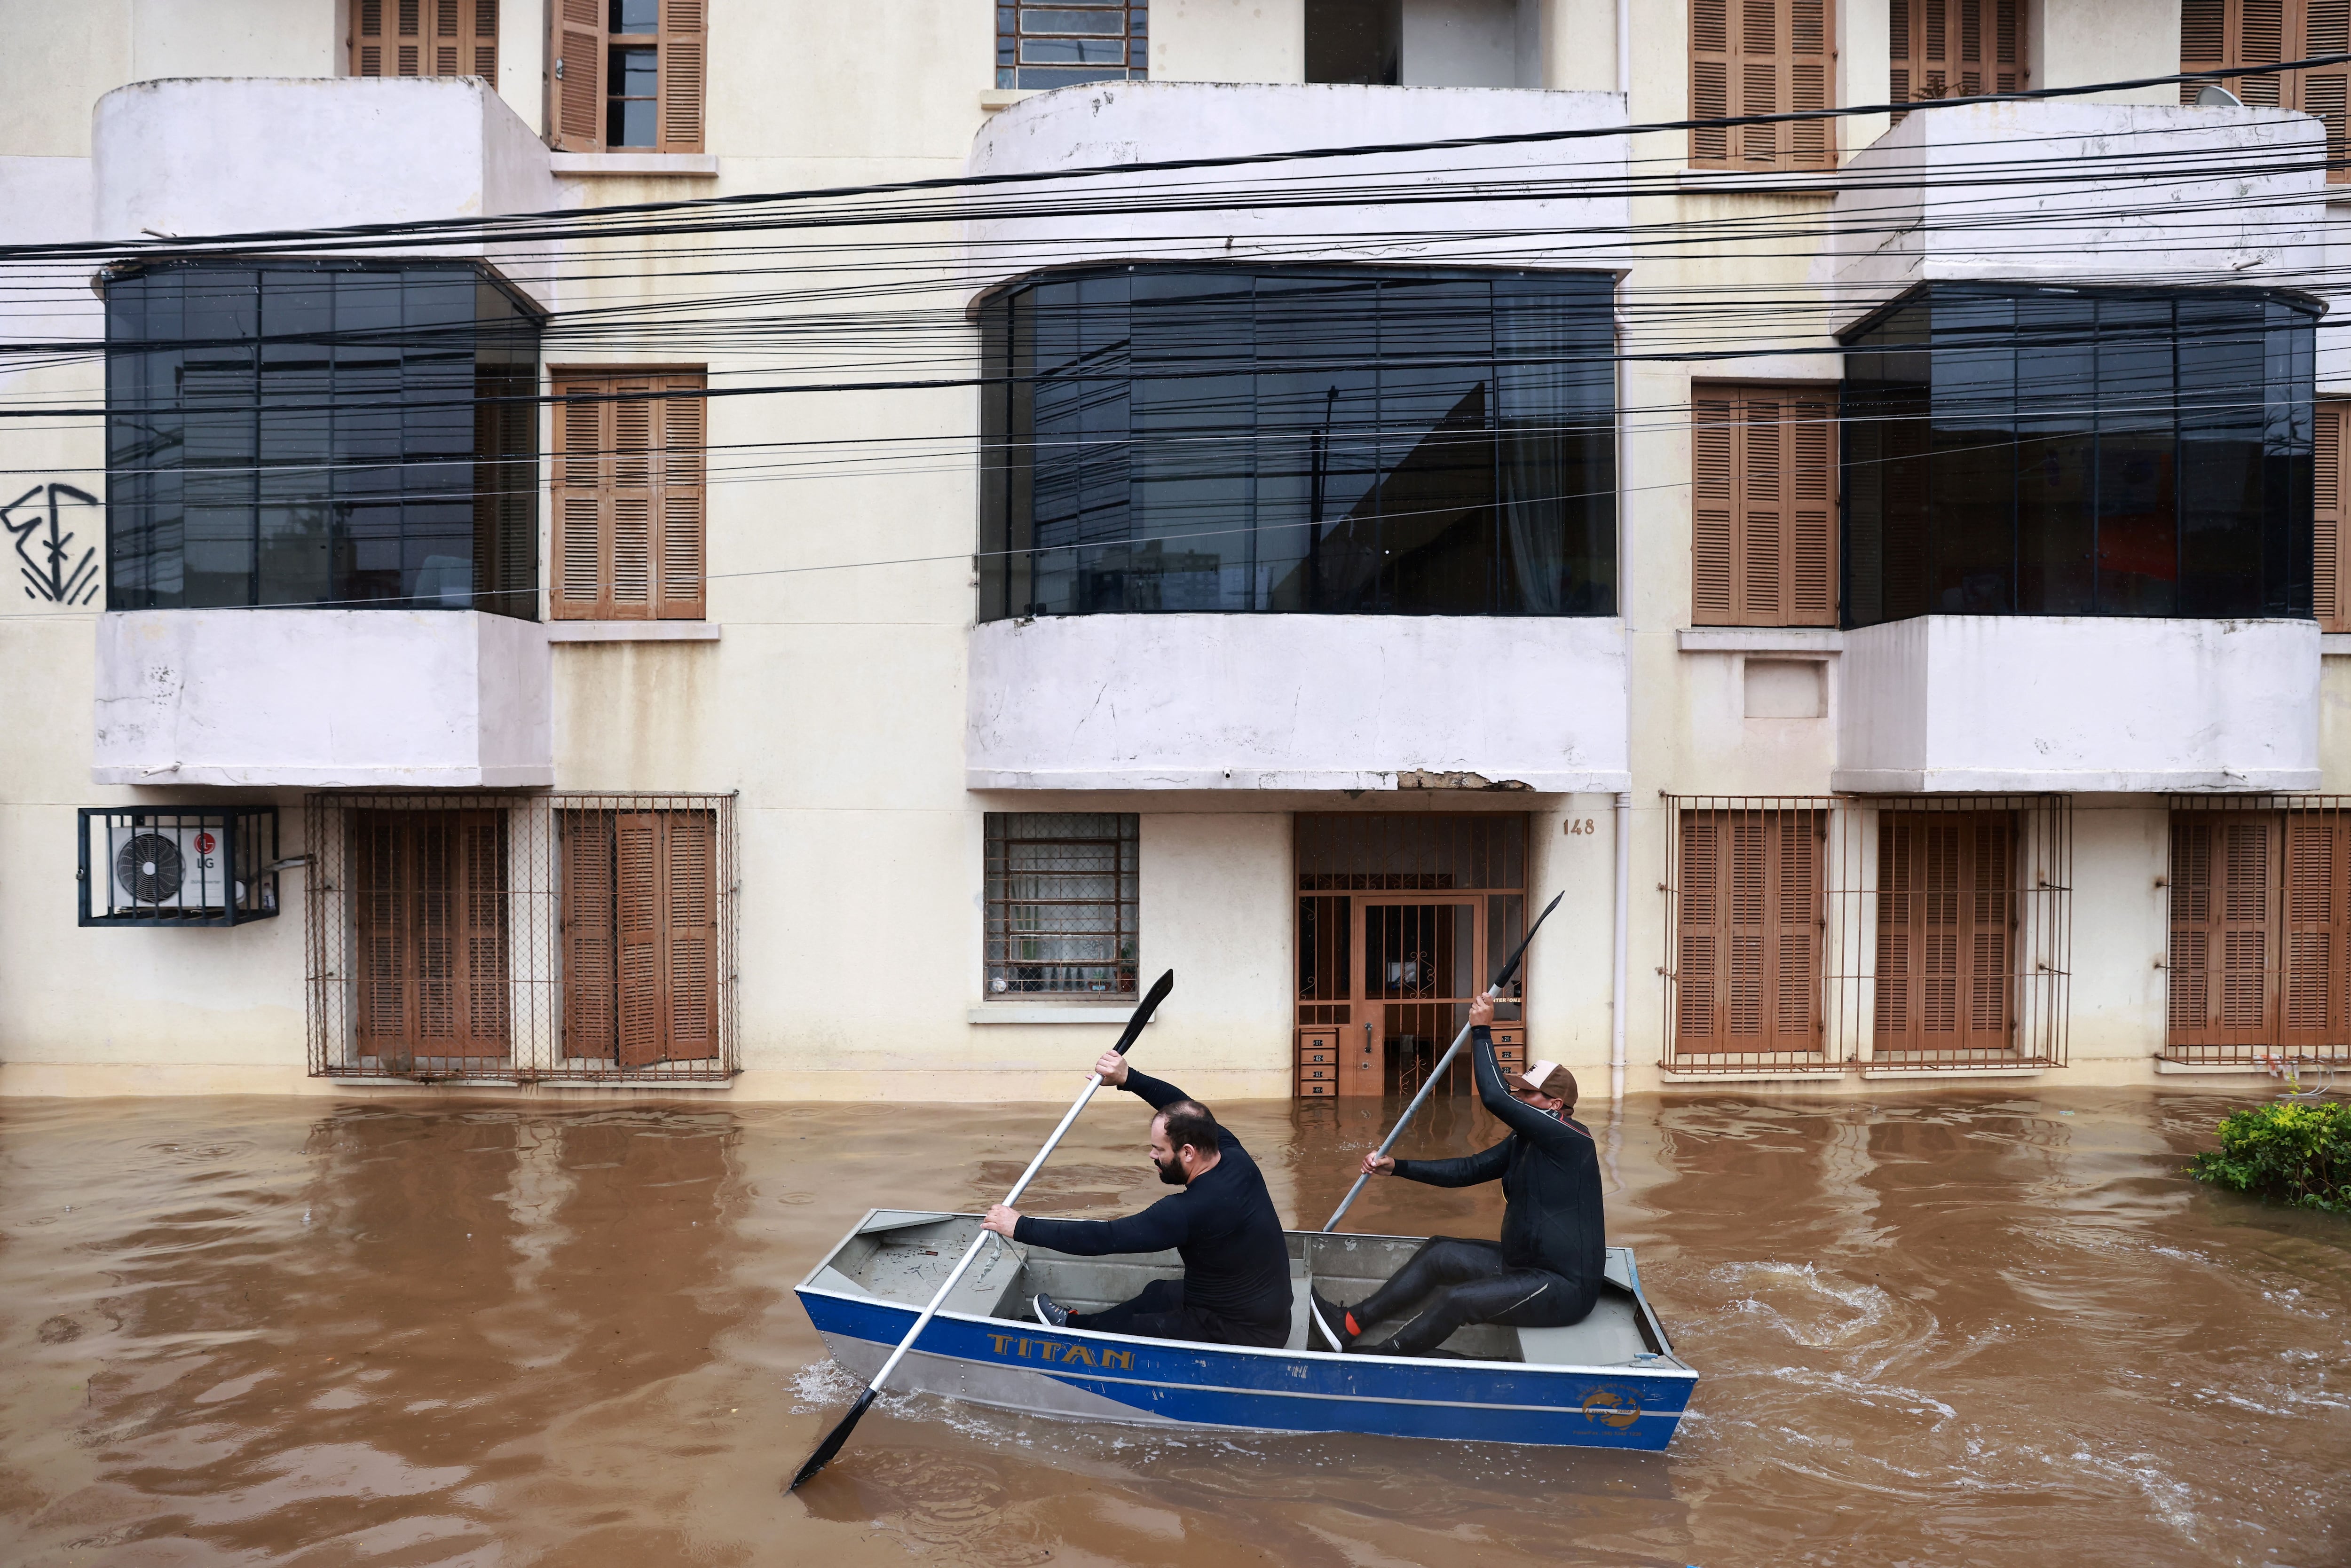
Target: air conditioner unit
point(186, 868)
point(168, 868)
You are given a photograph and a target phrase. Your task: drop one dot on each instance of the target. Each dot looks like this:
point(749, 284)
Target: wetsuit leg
point(1159, 1313)
point(1160, 1299)
point(1442, 1261)
point(1515, 1298)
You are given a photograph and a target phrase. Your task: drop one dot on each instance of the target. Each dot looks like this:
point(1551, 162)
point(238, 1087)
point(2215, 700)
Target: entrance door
point(1420, 972)
point(1400, 916)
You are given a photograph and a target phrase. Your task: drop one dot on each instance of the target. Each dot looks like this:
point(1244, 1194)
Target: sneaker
point(1049, 1311)
point(1334, 1323)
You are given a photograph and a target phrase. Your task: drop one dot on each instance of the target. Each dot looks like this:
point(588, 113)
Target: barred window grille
point(545, 938)
point(1071, 41)
point(2259, 952)
point(1838, 933)
point(1062, 904)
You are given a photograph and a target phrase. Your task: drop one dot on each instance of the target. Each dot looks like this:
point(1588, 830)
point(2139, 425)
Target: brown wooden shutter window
point(1762, 57)
point(1749, 932)
point(430, 895)
point(580, 92)
point(424, 38)
point(629, 496)
point(1947, 931)
point(640, 912)
point(2327, 508)
point(2216, 35)
point(1762, 506)
point(1954, 48)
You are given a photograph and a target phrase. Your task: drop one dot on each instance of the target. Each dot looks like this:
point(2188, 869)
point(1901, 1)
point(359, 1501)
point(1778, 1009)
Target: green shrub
point(2298, 1152)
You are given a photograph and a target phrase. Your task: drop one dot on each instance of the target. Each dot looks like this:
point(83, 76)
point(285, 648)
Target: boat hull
point(1075, 1375)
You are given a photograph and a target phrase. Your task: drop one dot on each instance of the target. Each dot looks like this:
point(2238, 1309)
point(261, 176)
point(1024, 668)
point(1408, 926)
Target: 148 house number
point(1579, 826)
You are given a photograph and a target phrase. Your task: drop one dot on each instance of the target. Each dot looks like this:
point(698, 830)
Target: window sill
point(1829, 1074)
point(631, 631)
point(2334, 645)
point(1759, 182)
point(686, 165)
point(1954, 1072)
point(1050, 1012)
point(1763, 640)
point(996, 98)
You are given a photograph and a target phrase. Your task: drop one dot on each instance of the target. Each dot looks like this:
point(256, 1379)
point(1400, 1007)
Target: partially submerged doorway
point(1402, 917)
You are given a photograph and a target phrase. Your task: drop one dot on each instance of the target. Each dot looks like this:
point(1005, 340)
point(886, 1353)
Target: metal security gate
point(1400, 917)
point(522, 938)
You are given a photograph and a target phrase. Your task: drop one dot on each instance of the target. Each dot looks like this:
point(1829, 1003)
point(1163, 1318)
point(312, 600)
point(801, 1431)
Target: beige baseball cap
point(1544, 1078)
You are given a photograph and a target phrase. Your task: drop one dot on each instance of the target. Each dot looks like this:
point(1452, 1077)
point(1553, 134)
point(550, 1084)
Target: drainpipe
point(1623, 955)
point(1624, 53)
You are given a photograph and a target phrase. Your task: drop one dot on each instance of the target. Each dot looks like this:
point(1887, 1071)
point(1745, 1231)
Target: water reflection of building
point(1906, 651)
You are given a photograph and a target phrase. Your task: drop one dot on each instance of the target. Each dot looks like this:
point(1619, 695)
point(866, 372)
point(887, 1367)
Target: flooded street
point(1984, 1327)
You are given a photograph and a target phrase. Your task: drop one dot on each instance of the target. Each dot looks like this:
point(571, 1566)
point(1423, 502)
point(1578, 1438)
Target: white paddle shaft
point(1093, 1081)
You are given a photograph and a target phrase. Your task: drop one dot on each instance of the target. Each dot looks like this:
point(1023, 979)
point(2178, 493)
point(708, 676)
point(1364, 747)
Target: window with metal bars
point(1763, 57)
point(1062, 904)
point(629, 496)
point(573, 937)
point(424, 38)
point(1067, 42)
point(1954, 48)
point(1859, 933)
point(628, 74)
point(2215, 34)
point(2259, 958)
point(1763, 499)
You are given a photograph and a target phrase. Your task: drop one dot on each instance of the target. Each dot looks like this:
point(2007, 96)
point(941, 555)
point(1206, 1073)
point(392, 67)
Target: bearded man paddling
point(1546, 1270)
point(1236, 1283)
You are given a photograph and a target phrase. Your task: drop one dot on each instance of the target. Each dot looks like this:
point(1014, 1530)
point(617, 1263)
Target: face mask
point(1172, 1172)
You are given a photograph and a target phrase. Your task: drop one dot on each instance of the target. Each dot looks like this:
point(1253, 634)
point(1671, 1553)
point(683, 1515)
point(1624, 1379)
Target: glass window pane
point(2159, 459)
point(1300, 439)
point(312, 433)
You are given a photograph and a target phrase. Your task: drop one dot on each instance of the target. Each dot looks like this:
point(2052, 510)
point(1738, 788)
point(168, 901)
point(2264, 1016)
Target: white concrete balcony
point(1346, 209)
point(224, 155)
point(2060, 192)
point(2019, 704)
point(1298, 702)
point(323, 698)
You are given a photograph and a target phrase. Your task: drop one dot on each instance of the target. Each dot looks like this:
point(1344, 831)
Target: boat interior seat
point(1611, 1336)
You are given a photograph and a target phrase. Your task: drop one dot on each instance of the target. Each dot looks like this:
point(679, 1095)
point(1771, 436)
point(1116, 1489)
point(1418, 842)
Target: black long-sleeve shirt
point(1236, 1263)
point(1550, 1173)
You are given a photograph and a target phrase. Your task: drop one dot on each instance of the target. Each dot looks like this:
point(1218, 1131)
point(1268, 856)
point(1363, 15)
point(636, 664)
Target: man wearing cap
point(1546, 1270)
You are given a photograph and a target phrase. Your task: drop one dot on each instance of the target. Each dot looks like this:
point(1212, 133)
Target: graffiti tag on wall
point(35, 520)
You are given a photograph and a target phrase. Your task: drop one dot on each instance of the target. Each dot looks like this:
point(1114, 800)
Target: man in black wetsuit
point(1236, 1283)
point(1546, 1270)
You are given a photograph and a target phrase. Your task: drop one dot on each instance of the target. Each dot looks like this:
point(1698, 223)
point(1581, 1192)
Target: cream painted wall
point(1229, 40)
point(2078, 41)
point(836, 700)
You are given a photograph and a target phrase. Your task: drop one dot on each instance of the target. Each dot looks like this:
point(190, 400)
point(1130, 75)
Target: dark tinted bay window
point(1305, 440)
point(338, 433)
point(2077, 452)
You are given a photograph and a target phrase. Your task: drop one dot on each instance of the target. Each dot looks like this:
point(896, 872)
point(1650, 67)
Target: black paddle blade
point(1149, 1005)
point(1520, 951)
point(832, 1441)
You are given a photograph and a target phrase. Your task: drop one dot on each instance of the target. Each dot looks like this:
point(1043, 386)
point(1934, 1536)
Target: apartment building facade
point(491, 625)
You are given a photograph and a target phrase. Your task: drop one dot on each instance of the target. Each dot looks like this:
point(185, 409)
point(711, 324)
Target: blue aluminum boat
point(1610, 1382)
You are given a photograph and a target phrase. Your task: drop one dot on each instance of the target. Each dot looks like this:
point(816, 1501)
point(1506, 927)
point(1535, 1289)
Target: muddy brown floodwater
point(1981, 1328)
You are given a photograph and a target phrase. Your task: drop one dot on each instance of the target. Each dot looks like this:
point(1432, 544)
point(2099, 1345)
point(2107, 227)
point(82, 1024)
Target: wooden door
point(431, 891)
point(1947, 920)
point(1419, 972)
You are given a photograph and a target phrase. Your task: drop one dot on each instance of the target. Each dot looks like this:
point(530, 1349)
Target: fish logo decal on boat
point(1611, 1408)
